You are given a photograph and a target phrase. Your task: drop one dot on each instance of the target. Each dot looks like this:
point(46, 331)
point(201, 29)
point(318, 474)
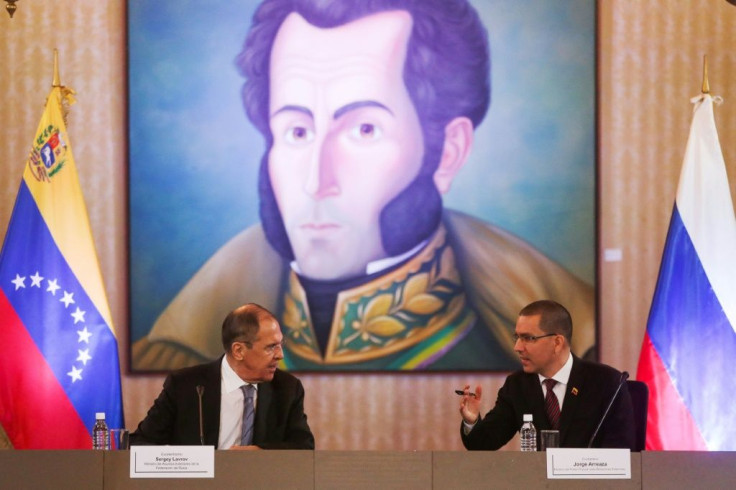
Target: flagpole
point(706, 88)
point(57, 79)
point(65, 94)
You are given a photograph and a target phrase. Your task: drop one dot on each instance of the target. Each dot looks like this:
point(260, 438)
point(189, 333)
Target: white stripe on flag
point(705, 205)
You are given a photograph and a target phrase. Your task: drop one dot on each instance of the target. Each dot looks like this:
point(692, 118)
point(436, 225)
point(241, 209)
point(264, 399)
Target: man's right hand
point(470, 405)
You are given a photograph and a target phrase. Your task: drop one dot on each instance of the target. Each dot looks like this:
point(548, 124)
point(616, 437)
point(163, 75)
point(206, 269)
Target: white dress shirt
point(562, 377)
point(232, 402)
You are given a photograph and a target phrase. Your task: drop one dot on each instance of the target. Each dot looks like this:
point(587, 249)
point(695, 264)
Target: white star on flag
point(84, 335)
point(78, 315)
point(53, 286)
point(75, 374)
point(36, 280)
point(20, 282)
point(84, 356)
point(67, 299)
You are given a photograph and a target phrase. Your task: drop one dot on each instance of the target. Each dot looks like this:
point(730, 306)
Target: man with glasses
point(240, 401)
point(559, 389)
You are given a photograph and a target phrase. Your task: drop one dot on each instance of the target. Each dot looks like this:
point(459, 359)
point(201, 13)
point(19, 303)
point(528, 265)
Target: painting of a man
point(368, 111)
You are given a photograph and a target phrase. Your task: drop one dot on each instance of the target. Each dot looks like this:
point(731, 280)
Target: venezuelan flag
point(690, 344)
point(58, 351)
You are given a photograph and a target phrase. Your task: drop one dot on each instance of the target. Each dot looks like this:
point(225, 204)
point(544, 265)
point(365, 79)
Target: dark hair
point(242, 324)
point(554, 317)
point(447, 75)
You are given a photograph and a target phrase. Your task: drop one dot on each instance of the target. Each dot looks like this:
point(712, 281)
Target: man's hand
point(470, 404)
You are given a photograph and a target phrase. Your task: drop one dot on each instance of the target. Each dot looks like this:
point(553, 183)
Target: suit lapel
point(572, 398)
point(265, 396)
point(211, 404)
point(533, 392)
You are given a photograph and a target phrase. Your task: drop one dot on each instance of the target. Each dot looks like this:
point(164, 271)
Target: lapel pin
point(574, 391)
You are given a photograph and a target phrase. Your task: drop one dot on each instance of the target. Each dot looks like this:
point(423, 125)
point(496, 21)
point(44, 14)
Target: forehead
point(528, 324)
point(268, 331)
point(376, 34)
point(373, 46)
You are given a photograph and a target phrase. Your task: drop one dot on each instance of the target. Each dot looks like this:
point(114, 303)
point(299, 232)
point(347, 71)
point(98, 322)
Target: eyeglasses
point(530, 339)
point(269, 349)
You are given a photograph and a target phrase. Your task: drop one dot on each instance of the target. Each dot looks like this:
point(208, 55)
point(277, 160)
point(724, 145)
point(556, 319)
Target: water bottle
point(100, 434)
point(528, 434)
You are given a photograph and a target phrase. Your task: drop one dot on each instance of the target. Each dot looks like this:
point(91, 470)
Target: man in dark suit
point(580, 390)
point(246, 375)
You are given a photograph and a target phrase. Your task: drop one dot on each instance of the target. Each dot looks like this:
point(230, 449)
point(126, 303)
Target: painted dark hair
point(447, 75)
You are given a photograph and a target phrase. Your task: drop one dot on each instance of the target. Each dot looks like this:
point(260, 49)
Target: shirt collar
point(563, 375)
point(230, 380)
point(377, 265)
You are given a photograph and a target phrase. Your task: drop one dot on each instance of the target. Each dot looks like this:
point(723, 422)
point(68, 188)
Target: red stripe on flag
point(670, 425)
point(34, 409)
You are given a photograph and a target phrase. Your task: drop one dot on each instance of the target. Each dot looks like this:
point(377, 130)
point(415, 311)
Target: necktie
point(246, 435)
point(551, 404)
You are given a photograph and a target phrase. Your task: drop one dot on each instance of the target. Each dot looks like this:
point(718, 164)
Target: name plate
point(172, 461)
point(571, 463)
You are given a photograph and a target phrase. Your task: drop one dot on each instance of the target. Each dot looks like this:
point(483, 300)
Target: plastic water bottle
point(100, 434)
point(528, 434)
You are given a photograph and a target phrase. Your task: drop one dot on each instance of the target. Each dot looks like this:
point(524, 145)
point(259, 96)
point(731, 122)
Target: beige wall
point(650, 65)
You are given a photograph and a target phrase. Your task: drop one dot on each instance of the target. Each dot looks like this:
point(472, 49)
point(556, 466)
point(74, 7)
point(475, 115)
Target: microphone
point(200, 392)
point(624, 377)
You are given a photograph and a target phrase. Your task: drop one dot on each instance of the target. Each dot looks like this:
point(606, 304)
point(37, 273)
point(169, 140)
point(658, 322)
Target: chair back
point(639, 392)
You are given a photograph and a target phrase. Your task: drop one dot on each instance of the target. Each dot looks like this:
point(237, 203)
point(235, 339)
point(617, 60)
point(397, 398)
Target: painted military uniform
point(451, 306)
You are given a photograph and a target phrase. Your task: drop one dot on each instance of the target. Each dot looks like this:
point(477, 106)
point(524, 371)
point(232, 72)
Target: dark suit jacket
point(589, 391)
point(280, 421)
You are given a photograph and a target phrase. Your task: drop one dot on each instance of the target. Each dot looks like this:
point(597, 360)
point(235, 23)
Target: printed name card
point(571, 463)
point(172, 461)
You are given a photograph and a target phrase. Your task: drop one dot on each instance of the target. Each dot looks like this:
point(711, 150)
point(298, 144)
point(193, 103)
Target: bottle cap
point(528, 417)
point(100, 415)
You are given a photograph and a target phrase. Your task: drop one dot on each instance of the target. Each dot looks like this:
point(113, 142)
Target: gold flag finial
point(57, 80)
point(65, 94)
point(706, 87)
point(10, 7)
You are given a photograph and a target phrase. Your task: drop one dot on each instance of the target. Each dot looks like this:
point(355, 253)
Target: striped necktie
point(551, 404)
point(246, 435)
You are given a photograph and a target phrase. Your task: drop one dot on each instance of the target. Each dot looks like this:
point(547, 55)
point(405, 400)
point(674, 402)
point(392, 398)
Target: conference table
point(77, 469)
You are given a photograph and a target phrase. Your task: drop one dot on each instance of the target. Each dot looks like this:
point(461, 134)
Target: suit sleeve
point(296, 432)
point(498, 426)
point(158, 426)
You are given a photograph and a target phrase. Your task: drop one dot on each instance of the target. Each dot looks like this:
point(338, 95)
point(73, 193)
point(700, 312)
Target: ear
point(237, 351)
point(560, 342)
point(455, 151)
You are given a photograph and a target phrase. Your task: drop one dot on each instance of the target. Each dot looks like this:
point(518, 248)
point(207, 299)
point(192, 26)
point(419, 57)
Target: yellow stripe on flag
point(51, 176)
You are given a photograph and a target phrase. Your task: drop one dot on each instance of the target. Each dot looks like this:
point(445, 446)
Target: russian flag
point(689, 349)
point(58, 351)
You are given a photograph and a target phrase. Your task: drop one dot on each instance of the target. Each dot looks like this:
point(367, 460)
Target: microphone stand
point(624, 377)
point(200, 392)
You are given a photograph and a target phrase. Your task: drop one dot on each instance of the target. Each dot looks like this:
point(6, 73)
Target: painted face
point(259, 361)
point(537, 356)
point(347, 139)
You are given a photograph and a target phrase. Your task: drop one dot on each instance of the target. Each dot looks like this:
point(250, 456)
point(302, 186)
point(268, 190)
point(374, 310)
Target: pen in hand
point(461, 393)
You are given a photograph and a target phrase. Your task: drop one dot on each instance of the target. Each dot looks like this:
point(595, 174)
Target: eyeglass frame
point(531, 339)
point(269, 349)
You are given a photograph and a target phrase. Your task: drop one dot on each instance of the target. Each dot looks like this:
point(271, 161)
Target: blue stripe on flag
point(59, 315)
point(693, 336)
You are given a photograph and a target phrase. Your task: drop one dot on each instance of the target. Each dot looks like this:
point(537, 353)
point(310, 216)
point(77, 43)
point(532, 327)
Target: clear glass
point(119, 439)
point(549, 438)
